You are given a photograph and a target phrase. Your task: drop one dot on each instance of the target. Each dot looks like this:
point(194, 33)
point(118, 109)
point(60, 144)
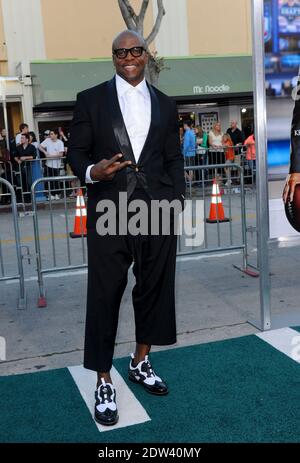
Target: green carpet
point(238, 390)
point(44, 407)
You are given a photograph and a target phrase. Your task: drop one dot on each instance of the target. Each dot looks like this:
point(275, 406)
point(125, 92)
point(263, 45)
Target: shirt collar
point(123, 86)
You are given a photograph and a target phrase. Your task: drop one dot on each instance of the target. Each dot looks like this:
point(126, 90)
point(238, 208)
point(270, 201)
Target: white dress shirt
point(135, 104)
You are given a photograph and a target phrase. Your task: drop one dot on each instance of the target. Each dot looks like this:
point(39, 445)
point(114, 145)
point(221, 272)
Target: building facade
point(51, 50)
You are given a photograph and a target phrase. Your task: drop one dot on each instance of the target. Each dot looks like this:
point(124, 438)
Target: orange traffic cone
point(80, 217)
point(216, 213)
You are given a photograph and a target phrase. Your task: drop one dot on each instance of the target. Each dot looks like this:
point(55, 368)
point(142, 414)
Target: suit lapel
point(119, 127)
point(118, 124)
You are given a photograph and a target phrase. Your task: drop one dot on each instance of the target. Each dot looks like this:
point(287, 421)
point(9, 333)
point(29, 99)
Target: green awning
point(60, 81)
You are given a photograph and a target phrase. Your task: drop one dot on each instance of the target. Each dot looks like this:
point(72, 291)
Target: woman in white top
point(216, 153)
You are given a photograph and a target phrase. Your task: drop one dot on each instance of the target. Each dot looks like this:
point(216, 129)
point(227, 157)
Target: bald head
point(127, 34)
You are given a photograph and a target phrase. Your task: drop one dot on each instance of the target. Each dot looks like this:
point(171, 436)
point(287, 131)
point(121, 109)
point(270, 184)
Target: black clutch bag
point(292, 209)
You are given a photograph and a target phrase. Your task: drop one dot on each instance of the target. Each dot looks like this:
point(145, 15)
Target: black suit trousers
point(109, 259)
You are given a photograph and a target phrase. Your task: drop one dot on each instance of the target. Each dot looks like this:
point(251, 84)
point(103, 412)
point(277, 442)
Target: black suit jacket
point(295, 136)
point(98, 131)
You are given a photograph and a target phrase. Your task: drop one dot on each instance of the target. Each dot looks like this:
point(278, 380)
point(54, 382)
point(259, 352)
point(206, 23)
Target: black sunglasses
point(134, 51)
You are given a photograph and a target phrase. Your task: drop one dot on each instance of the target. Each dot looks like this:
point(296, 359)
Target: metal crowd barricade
point(20, 273)
point(215, 156)
point(63, 253)
point(56, 252)
point(204, 184)
point(22, 175)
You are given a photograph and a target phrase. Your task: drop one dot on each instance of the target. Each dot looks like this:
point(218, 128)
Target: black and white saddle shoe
point(106, 411)
point(144, 374)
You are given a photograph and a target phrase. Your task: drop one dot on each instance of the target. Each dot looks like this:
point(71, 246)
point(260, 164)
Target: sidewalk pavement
point(214, 302)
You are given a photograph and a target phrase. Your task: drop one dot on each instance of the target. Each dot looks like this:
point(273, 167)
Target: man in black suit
point(125, 138)
point(294, 175)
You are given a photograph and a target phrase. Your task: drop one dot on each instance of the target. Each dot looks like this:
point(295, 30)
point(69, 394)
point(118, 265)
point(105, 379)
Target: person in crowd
point(53, 149)
point(189, 148)
point(215, 142)
point(73, 191)
point(33, 141)
point(189, 140)
point(23, 129)
point(36, 166)
point(238, 139)
point(44, 136)
point(237, 135)
point(201, 144)
point(251, 154)
point(75, 184)
point(229, 156)
point(65, 140)
point(201, 136)
point(5, 168)
point(25, 153)
point(216, 152)
point(63, 137)
point(2, 138)
point(181, 133)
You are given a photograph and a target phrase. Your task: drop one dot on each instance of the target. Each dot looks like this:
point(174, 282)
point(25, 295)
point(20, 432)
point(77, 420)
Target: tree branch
point(161, 12)
point(128, 14)
point(141, 17)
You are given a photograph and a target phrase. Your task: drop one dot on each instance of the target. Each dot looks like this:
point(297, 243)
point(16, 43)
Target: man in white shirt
point(125, 138)
point(53, 149)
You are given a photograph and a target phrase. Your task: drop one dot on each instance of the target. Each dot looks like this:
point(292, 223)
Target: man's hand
point(291, 181)
point(107, 168)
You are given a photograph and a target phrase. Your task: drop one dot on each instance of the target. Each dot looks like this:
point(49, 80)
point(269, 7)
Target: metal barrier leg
point(22, 303)
point(42, 301)
point(22, 298)
point(22, 293)
point(245, 267)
